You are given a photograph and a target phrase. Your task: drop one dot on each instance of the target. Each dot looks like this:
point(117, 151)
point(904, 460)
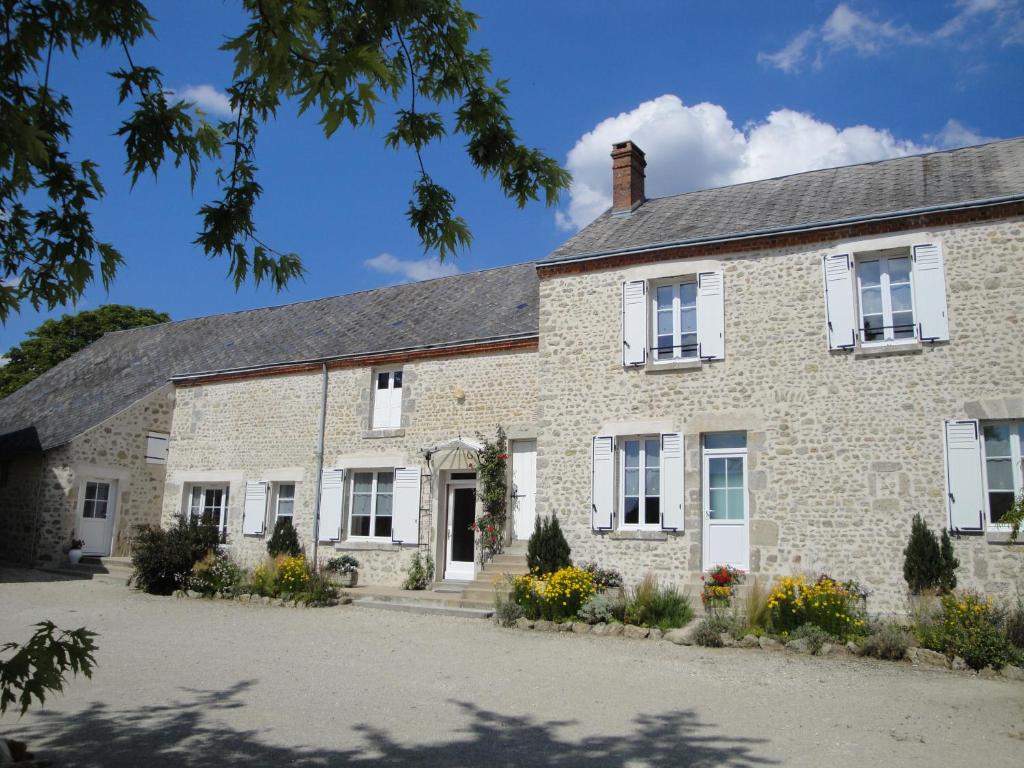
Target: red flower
point(502, 456)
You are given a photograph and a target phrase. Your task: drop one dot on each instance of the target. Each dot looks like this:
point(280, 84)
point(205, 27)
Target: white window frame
point(107, 502)
point(674, 283)
point(391, 393)
point(376, 472)
point(276, 503)
point(1016, 460)
point(203, 488)
point(640, 525)
point(723, 453)
point(883, 257)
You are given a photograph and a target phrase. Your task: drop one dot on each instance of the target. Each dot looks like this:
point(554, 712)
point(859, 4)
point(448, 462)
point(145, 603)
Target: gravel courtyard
point(195, 683)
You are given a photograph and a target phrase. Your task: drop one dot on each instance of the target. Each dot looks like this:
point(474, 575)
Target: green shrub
point(826, 603)
point(506, 610)
point(756, 613)
point(970, 627)
point(887, 641)
point(1015, 624)
point(600, 609)
point(547, 551)
point(215, 574)
point(711, 628)
point(284, 540)
point(649, 605)
point(163, 558)
point(263, 580)
point(319, 592)
point(557, 596)
point(927, 564)
point(815, 636)
point(420, 573)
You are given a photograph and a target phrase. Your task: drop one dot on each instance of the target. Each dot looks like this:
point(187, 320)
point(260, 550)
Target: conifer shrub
point(927, 563)
point(284, 540)
point(163, 557)
point(547, 550)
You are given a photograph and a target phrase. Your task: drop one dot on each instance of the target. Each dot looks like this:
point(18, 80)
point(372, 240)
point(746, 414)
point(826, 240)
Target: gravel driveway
point(190, 683)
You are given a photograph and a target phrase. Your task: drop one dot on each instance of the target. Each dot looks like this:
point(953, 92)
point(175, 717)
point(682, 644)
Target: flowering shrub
point(969, 628)
point(215, 574)
point(826, 603)
point(490, 529)
point(720, 586)
point(556, 597)
point(604, 578)
point(492, 475)
point(292, 574)
point(342, 564)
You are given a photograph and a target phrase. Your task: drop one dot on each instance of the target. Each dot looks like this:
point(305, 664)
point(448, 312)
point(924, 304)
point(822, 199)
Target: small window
point(640, 491)
point(97, 500)
point(370, 504)
point(284, 502)
point(884, 287)
point(387, 400)
point(156, 447)
point(675, 321)
point(212, 500)
point(1003, 445)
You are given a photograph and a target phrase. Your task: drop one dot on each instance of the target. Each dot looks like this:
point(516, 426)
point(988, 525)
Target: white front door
point(524, 487)
point(726, 519)
point(459, 554)
point(96, 516)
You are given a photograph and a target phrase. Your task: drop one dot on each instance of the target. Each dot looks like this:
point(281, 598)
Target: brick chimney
point(627, 176)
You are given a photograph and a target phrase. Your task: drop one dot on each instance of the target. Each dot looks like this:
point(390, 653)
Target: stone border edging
point(258, 599)
point(918, 657)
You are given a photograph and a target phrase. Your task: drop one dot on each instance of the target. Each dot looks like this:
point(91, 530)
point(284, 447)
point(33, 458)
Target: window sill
point(891, 348)
point(1001, 537)
point(371, 434)
point(366, 546)
point(638, 535)
point(674, 365)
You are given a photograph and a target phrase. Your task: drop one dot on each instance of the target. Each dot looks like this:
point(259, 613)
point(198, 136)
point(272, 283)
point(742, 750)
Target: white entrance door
point(524, 487)
point(726, 519)
point(96, 520)
point(460, 549)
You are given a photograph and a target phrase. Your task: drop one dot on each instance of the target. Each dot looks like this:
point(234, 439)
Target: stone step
point(435, 608)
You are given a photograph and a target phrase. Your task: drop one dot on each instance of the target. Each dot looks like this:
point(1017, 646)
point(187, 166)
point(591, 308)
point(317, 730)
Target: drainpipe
point(319, 463)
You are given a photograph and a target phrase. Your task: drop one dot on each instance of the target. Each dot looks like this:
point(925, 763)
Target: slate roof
point(870, 190)
point(122, 367)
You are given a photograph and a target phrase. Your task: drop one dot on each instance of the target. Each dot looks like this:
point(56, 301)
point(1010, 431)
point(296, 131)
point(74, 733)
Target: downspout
point(319, 464)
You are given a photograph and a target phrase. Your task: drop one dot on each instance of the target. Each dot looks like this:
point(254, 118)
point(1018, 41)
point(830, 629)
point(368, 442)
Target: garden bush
point(292, 574)
point(547, 551)
point(604, 578)
point(887, 641)
point(828, 604)
point(927, 563)
point(163, 558)
point(342, 564)
point(420, 572)
point(756, 612)
point(319, 591)
point(969, 626)
point(1015, 625)
point(600, 609)
point(556, 597)
point(649, 605)
point(506, 610)
point(284, 540)
point(711, 628)
point(815, 637)
point(215, 574)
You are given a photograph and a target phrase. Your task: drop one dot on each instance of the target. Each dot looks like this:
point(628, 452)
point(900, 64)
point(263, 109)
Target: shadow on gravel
point(13, 574)
point(183, 733)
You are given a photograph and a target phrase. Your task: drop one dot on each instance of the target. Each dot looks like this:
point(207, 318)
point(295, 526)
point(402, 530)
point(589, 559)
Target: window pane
point(734, 470)
point(652, 482)
point(999, 504)
point(631, 510)
point(286, 491)
point(717, 504)
point(100, 510)
point(688, 320)
point(665, 324)
point(688, 294)
point(382, 380)
point(735, 503)
point(397, 377)
point(362, 482)
point(1000, 474)
point(873, 328)
point(195, 501)
point(285, 507)
point(652, 451)
point(361, 504)
point(652, 511)
point(871, 301)
point(632, 482)
point(360, 525)
point(869, 273)
point(632, 449)
point(899, 270)
point(665, 298)
point(903, 325)
point(385, 480)
point(384, 504)
point(102, 491)
point(716, 473)
point(88, 508)
point(665, 346)
point(997, 440)
point(725, 440)
point(382, 526)
point(901, 298)
point(688, 345)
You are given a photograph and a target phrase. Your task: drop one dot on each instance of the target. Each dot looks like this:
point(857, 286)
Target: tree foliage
point(340, 59)
point(927, 564)
point(56, 340)
point(40, 665)
point(284, 540)
point(547, 550)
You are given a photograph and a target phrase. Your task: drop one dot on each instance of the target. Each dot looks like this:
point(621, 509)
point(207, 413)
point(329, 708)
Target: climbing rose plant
point(492, 477)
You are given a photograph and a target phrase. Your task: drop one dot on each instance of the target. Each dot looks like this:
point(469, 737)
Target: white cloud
point(207, 98)
point(697, 147)
point(411, 270)
point(11, 282)
point(975, 21)
point(956, 134)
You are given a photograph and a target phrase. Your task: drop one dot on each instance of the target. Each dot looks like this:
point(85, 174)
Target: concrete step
point(471, 611)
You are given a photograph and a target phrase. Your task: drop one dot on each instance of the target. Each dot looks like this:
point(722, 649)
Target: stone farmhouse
point(775, 375)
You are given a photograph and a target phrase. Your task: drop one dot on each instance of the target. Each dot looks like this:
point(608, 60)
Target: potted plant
point(720, 587)
point(75, 550)
point(345, 568)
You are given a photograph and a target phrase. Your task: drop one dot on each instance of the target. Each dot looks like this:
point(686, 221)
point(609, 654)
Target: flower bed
point(555, 597)
point(826, 603)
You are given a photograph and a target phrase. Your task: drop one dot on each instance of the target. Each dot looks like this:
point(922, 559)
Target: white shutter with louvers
point(634, 323)
point(965, 488)
point(332, 492)
point(711, 315)
point(672, 481)
point(930, 293)
point(254, 514)
point(405, 520)
point(840, 308)
point(602, 495)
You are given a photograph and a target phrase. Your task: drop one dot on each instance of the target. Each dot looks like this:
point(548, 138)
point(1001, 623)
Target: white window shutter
point(395, 414)
point(711, 315)
point(840, 308)
point(672, 481)
point(965, 489)
point(634, 323)
point(156, 447)
point(603, 483)
point(930, 293)
point(405, 520)
point(254, 515)
point(332, 491)
point(381, 406)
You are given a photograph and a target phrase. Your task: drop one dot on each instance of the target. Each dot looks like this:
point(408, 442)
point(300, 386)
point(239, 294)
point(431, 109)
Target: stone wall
point(114, 449)
point(844, 447)
point(19, 491)
point(265, 428)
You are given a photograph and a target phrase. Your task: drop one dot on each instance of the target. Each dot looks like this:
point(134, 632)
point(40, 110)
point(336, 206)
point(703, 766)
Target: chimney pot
point(628, 165)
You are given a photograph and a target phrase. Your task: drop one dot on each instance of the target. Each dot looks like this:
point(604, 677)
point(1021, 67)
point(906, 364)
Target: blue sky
point(715, 93)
